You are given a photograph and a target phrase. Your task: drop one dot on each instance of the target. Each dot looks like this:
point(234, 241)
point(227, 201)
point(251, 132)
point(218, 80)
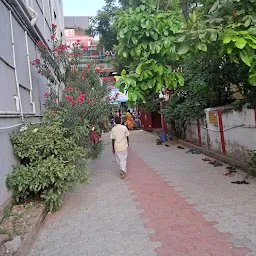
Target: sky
point(82, 7)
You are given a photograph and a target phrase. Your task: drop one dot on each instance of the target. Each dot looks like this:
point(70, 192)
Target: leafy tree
point(103, 25)
point(231, 24)
point(147, 37)
point(186, 104)
point(208, 80)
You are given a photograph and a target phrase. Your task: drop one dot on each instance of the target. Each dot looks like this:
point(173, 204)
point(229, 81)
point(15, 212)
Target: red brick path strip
point(182, 230)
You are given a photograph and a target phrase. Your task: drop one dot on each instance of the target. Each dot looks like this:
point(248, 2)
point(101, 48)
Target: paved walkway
point(171, 204)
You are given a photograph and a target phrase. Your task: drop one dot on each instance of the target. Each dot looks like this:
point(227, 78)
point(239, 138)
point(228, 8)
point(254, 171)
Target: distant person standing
point(129, 120)
point(137, 120)
point(120, 143)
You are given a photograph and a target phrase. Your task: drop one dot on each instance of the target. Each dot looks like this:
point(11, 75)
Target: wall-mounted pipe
point(16, 113)
point(17, 103)
point(15, 71)
point(30, 76)
point(21, 7)
point(10, 127)
point(34, 17)
point(15, 125)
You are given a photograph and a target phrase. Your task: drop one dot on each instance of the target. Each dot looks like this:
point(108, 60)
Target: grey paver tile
point(102, 216)
point(97, 219)
point(232, 206)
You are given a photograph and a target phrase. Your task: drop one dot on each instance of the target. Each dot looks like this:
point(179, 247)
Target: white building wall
point(19, 79)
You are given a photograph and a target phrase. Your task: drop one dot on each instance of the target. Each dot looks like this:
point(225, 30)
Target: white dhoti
point(121, 158)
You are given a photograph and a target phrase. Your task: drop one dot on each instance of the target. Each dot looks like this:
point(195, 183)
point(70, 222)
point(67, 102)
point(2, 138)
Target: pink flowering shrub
point(54, 153)
point(83, 98)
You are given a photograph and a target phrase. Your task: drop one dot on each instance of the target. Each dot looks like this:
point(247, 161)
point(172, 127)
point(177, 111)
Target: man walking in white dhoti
point(120, 143)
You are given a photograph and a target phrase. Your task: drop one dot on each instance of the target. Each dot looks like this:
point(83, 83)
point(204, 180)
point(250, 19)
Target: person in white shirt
point(120, 144)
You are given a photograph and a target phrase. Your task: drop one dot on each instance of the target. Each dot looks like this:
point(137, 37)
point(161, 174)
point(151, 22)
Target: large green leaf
point(144, 86)
point(123, 73)
point(202, 47)
point(229, 50)
point(247, 23)
point(240, 43)
point(213, 36)
point(214, 6)
point(252, 79)
point(245, 58)
point(183, 48)
point(193, 16)
point(134, 96)
point(158, 48)
point(180, 79)
point(134, 40)
point(139, 69)
point(138, 51)
point(226, 39)
point(181, 38)
point(121, 34)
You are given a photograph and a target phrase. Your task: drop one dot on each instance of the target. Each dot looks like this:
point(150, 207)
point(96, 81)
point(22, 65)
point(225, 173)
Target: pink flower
point(81, 120)
point(62, 47)
point(94, 100)
point(54, 101)
point(49, 71)
point(68, 89)
point(39, 43)
point(46, 94)
point(52, 37)
point(81, 98)
point(68, 97)
point(56, 50)
point(54, 26)
point(89, 101)
point(53, 111)
point(73, 102)
point(83, 78)
point(37, 61)
point(39, 71)
point(97, 70)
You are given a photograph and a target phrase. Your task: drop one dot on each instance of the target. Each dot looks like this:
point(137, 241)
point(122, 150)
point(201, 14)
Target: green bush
point(51, 163)
point(95, 150)
point(252, 168)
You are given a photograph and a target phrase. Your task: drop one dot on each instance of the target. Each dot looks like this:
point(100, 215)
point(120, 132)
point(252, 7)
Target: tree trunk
point(184, 7)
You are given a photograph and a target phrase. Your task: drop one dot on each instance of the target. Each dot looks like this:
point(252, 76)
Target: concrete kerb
point(29, 239)
point(215, 155)
point(209, 153)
